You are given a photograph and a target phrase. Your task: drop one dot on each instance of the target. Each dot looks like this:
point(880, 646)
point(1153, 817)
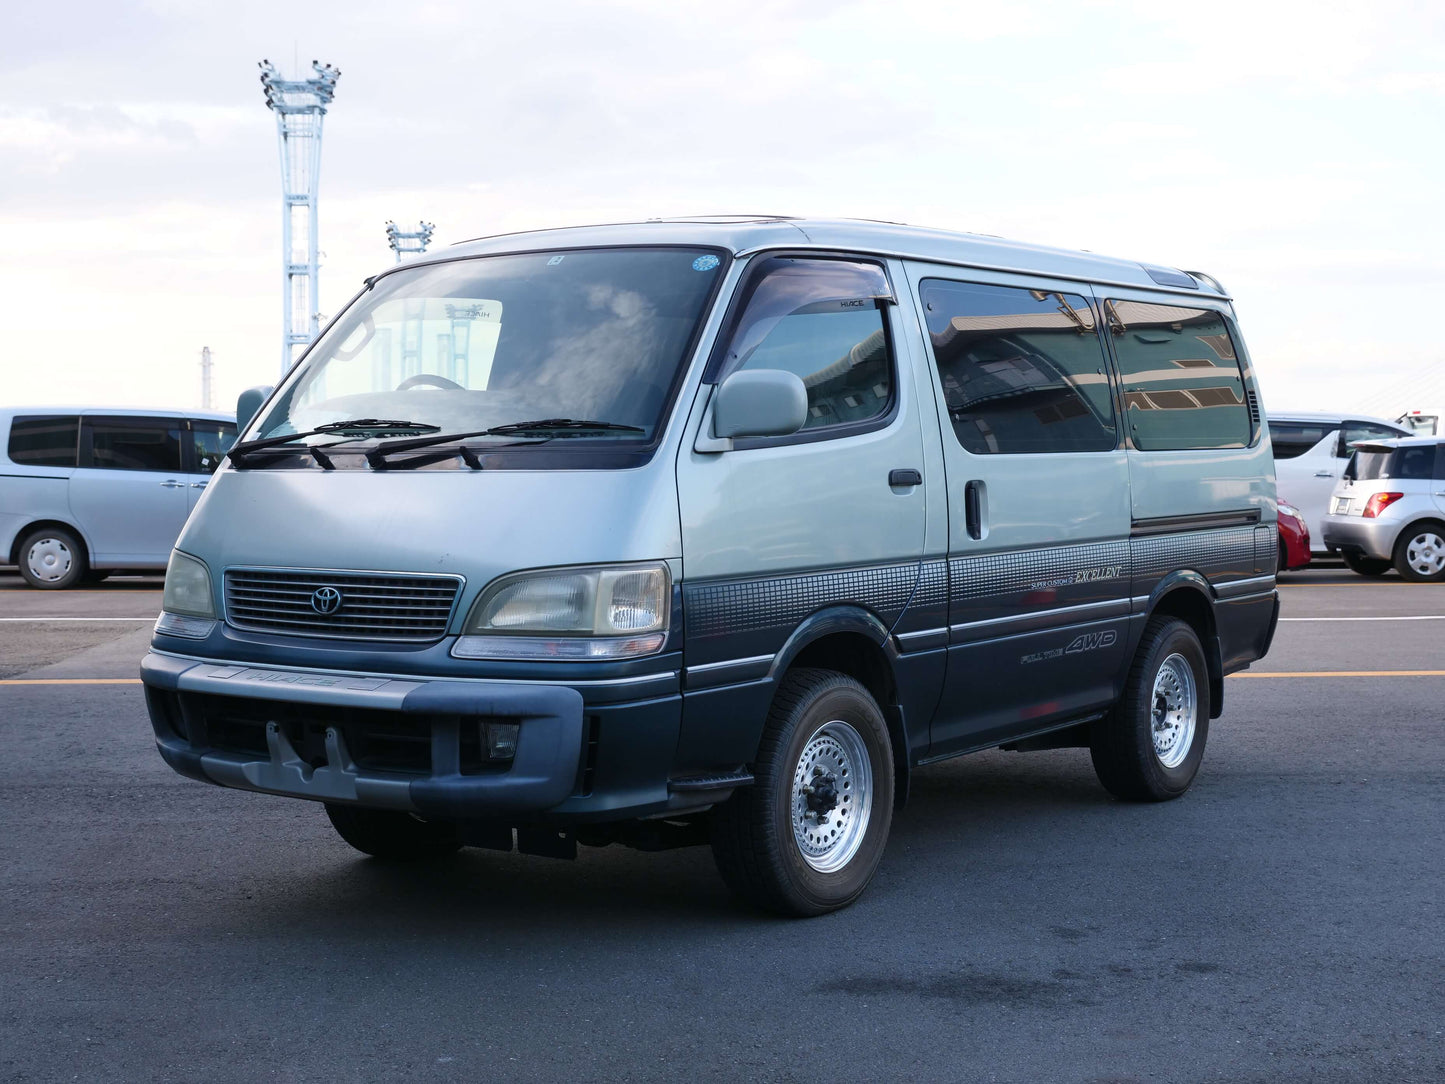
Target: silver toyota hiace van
point(714, 531)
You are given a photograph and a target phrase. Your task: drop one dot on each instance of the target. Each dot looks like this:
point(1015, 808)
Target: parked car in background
point(1421, 423)
point(1389, 509)
point(89, 491)
point(1310, 452)
point(1294, 538)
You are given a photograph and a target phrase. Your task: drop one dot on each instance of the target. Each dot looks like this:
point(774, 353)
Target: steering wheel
point(429, 380)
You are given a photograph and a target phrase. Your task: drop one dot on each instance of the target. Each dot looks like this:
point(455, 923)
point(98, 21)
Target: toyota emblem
point(326, 600)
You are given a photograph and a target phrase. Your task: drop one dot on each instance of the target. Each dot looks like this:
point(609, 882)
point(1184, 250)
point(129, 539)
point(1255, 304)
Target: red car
point(1294, 538)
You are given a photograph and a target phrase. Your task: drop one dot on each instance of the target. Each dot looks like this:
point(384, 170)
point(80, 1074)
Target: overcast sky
point(1293, 150)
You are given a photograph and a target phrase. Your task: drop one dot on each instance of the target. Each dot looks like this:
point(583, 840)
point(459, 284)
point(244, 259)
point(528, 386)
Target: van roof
point(743, 234)
point(127, 411)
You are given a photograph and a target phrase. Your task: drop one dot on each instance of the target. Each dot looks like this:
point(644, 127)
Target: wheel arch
point(50, 521)
point(854, 641)
point(1190, 597)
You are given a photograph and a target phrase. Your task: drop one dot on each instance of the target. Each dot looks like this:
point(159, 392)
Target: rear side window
point(44, 441)
point(135, 443)
point(1181, 377)
point(1022, 370)
point(1410, 464)
point(1291, 439)
point(821, 320)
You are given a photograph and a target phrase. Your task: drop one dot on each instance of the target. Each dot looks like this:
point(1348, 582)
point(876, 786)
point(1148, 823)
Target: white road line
point(44, 619)
point(1417, 617)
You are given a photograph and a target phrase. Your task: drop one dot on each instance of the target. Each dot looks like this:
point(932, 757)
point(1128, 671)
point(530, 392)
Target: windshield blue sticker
point(555, 260)
point(705, 263)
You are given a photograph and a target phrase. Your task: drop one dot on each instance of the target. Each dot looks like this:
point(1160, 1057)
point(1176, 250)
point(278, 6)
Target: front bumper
point(399, 743)
point(1374, 537)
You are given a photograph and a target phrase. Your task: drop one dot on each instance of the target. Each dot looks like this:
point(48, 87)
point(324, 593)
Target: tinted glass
point(1182, 384)
point(1411, 464)
point(819, 320)
point(124, 444)
point(1291, 439)
point(44, 441)
point(1353, 431)
point(1022, 370)
point(595, 335)
point(209, 442)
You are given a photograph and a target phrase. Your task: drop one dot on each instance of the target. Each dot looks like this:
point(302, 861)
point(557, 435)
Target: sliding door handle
point(975, 509)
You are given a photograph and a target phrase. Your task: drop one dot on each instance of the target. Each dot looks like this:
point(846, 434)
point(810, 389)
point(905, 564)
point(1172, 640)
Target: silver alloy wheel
point(49, 560)
point(832, 797)
point(1174, 708)
point(1425, 553)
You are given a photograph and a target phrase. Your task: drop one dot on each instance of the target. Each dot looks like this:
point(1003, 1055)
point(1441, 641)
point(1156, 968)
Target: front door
point(1038, 504)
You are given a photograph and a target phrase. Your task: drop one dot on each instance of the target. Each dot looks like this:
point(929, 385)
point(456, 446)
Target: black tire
point(389, 834)
point(754, 841)
point(1427, 542)
point(1122, 744)
point(1283, 564)
point(95, 577)
point(1366, 566)
point(52, 559)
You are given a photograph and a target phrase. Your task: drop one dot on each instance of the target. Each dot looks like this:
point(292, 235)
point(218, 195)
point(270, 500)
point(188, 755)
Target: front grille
point(373, 605)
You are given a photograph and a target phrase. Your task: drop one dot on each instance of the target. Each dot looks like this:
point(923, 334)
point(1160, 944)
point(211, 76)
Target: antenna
point(299, 105)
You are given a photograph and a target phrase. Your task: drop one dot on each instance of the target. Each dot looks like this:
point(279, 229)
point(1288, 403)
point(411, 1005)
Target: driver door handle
point(171, 483)
point(1324, 474)
point(905, 476)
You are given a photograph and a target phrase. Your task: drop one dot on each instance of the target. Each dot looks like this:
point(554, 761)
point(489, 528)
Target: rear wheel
point(1148, 749)
point(387, 833)
point(1366, 566)
point(1420, 552)
point(52, 559)
point(807, 836)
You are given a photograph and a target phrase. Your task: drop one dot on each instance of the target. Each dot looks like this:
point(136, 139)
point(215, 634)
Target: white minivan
point(87, 491)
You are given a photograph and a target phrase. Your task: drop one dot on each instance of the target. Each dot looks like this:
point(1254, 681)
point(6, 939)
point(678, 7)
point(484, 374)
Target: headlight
point(186, 607)
point(570, 613)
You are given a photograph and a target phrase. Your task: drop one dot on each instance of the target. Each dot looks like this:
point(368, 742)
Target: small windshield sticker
point(705, 263)
point(555, 260)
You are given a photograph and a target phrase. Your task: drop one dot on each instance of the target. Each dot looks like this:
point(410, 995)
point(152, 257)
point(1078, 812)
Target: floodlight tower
point(407, 242)
point(299, 105)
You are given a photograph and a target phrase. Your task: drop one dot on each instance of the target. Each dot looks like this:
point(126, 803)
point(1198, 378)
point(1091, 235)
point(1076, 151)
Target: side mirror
point(248, 402)
point(759, 403)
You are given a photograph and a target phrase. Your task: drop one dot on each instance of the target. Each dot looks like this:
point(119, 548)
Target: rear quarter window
point(44, 440)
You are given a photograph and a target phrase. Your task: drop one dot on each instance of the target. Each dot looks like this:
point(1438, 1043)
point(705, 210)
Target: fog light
point(501, 741)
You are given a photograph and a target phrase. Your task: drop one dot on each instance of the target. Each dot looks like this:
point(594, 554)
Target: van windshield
point(592, 335)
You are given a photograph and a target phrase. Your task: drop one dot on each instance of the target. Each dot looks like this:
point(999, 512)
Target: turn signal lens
point(1379, 502)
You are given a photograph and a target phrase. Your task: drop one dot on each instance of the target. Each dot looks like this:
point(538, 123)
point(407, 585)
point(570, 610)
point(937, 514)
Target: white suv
point(1310, 453)
point(1389, 509)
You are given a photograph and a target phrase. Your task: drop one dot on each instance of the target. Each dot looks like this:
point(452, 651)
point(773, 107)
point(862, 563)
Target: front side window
point(134, 444)
point(822, 321)
point(209, 442)
point(1022, 370)
point(1182, 383)
point(44, 441)
point(1353, 431)
point(589, 335)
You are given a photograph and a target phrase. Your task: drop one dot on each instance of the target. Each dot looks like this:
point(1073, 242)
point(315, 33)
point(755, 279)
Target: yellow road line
point(72, 681)
point(1340, 673)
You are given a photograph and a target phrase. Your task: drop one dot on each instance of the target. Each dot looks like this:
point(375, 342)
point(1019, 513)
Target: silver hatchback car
point(1389, 509)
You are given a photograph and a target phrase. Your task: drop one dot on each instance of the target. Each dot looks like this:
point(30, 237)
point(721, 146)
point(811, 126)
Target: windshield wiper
point(564, 423)
point(239, 452)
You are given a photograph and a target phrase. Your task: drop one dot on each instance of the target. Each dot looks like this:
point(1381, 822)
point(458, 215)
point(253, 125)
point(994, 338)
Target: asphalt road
point(1281, 922)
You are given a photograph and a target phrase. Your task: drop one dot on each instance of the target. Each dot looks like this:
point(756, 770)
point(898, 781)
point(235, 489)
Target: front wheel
point(388, 833)
point(807, 836)
point(1420, 553)
point(1148, 748)
point(1366, 566)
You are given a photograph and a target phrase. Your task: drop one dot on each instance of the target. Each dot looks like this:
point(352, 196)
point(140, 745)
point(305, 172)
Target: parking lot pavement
point(1280, 922)
point(38, 628)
